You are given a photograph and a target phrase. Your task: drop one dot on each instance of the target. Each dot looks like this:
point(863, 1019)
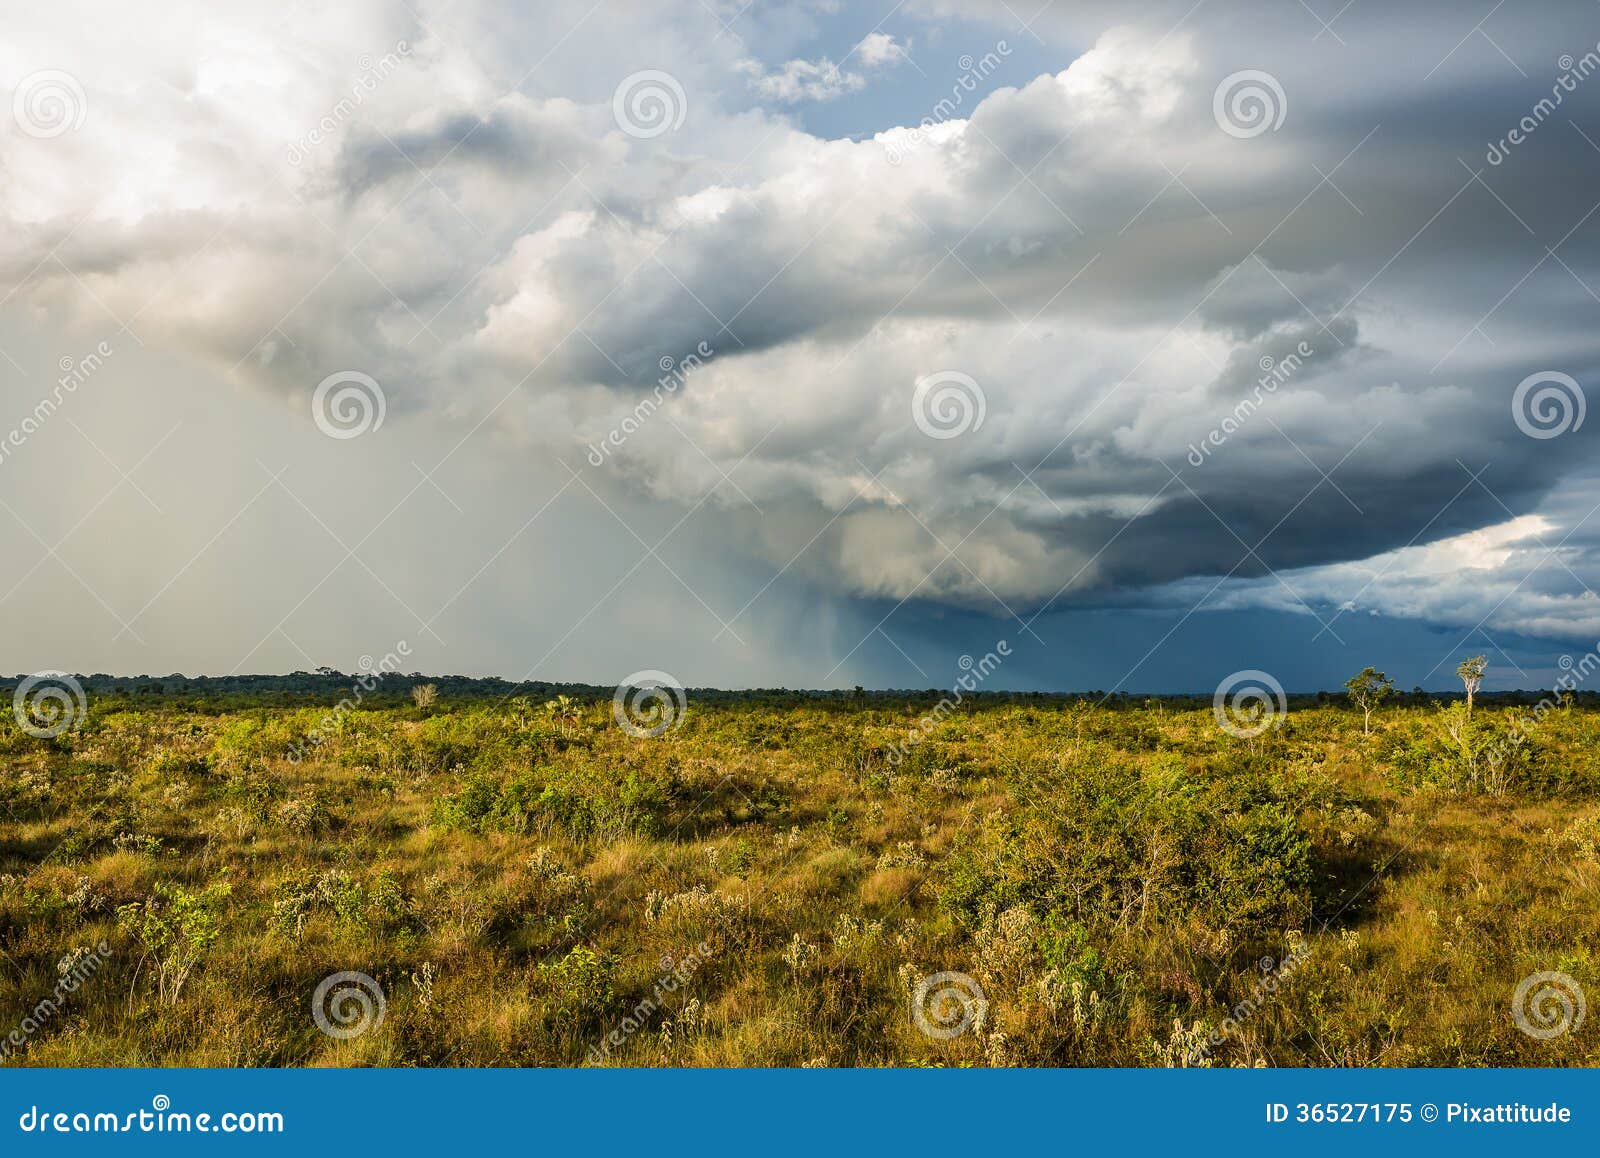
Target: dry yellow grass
point(521, 888)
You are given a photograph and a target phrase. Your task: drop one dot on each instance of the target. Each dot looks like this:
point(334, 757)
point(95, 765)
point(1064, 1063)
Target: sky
point(802, 344)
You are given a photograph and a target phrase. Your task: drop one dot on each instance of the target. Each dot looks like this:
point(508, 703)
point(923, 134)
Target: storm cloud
point(1226, 305)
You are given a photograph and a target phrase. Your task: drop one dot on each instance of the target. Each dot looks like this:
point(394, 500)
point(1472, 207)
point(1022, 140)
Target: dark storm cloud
point(1111, 267)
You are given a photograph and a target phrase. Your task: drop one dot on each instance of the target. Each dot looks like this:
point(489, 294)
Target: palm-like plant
point(564, 714)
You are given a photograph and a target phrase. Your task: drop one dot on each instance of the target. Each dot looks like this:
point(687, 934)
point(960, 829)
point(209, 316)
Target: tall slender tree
point(1471, 673)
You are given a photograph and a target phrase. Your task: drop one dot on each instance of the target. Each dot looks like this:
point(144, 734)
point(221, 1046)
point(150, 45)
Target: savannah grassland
point(1112, 875)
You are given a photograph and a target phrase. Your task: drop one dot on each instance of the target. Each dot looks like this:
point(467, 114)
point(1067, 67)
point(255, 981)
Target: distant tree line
point(1365, 692)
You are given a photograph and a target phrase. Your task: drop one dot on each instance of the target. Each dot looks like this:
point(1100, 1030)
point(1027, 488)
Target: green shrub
point(1104, 846)
point(525, 803)
point(177, 929)
point(1487, 753)
point(580, 986)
